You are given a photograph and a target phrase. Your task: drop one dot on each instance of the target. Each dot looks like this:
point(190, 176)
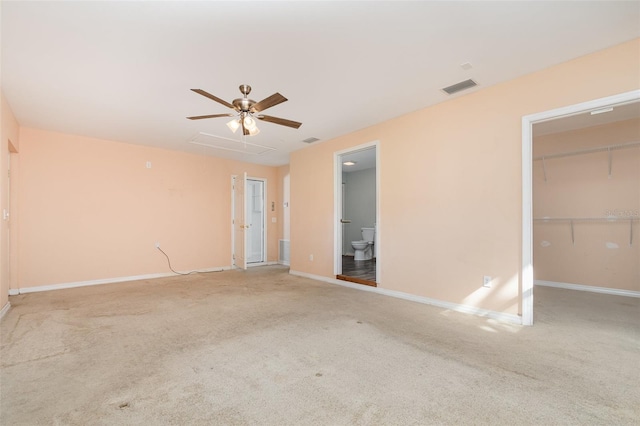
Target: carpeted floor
point(263, 347)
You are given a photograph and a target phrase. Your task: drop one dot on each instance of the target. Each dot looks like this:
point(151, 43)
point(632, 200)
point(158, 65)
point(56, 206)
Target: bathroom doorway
point(357, 229)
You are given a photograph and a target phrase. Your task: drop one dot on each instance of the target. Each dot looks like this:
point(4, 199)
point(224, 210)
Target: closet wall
point(596, 252)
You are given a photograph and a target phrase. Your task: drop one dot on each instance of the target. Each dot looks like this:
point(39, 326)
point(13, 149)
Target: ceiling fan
point(247, 110)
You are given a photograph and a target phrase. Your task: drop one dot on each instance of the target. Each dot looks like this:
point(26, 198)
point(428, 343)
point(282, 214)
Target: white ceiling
point(122, 70)
point(364, 159)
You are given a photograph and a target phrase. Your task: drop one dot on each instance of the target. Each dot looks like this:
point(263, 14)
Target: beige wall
point(450, 195)
point(90, 209)
point(9, 135)
point(579, 186)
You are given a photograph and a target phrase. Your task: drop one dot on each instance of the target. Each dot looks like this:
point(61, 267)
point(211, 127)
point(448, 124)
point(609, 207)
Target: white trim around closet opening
point(589, 288)
point(526, 272)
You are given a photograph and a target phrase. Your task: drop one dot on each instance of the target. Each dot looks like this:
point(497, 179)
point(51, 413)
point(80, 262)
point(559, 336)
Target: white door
point(255, 221)
point(239, 225)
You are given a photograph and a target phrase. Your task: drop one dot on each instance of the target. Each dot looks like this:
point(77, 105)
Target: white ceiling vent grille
point(226, 144)
point(458, 87)
point(310, 140)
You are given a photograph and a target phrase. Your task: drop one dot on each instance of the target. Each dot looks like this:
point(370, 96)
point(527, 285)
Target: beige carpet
point(263, 347)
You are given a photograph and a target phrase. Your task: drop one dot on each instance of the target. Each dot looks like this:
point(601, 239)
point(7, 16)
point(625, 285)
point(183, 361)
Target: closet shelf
point(589, 150)
point(573, 220)
point(608, 148)
point(580, 219)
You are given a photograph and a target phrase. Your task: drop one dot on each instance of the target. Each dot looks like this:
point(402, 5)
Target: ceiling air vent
point(310, 140)
point(458, 87)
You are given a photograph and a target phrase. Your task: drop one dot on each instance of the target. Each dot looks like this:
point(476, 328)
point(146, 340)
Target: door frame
point(234, 179)
point(526, 271)
point(337, 207)
point(233, 223)
point(264, 219)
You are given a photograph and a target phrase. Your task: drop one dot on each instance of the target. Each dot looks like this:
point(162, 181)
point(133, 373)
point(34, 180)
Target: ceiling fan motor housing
point(243, 104)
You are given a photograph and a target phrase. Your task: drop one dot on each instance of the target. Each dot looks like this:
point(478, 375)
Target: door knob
point(345, 221)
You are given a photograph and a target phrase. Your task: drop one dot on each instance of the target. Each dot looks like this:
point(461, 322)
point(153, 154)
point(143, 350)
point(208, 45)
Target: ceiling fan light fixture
point(250, 125)
point(234, 124)
point(249, 122)
point(253, 131)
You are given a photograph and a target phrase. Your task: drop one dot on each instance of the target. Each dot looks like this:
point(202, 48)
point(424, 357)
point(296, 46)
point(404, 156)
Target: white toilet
point(364, 247)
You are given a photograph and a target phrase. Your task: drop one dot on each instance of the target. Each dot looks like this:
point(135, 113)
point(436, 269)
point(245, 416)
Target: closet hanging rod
point(573, 220)
point(589, 150)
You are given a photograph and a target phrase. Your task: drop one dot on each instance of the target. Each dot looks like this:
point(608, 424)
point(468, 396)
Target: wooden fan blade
point(272, 100)
point(200, 117)
point(281, 121)
point(213, 98)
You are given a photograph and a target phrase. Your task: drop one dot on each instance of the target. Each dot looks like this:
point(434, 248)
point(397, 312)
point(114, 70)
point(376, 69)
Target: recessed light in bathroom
point(350, 163)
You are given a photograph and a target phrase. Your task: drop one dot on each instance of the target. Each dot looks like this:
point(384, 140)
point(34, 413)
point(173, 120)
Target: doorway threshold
point(356, 280)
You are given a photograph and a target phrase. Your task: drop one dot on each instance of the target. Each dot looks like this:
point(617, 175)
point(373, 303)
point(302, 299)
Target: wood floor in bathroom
point(361, 271)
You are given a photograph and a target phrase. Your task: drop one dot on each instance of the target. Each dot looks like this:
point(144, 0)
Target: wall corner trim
point(63, 286)
point(5, 309)
point(590, 288)
point(466, 309)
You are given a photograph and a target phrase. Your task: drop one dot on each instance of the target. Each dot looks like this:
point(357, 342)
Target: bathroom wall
point(360, 187)
point(580, 186)
point(450, 184)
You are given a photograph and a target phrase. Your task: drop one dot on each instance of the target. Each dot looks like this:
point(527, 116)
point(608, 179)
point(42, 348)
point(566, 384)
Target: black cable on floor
point(183, 273)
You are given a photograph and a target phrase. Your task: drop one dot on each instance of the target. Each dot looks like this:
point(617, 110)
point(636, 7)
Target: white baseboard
point(283, 262)
point(467, 309)
point(5, 309)
point(253, 265)
point(62, 286)
point(593, 289)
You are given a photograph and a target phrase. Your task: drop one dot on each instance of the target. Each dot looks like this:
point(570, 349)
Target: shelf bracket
point(573, 238)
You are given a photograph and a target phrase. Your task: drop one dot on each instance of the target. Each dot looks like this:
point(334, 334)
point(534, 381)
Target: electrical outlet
point(486, 281)
point(311, 257)
point(157, 245)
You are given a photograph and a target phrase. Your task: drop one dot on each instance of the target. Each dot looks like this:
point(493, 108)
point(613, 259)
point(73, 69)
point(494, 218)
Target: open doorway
point(578, 112)
point(356, 201)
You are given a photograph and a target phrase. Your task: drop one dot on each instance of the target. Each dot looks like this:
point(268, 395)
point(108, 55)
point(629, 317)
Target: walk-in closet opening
point(586, 205)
